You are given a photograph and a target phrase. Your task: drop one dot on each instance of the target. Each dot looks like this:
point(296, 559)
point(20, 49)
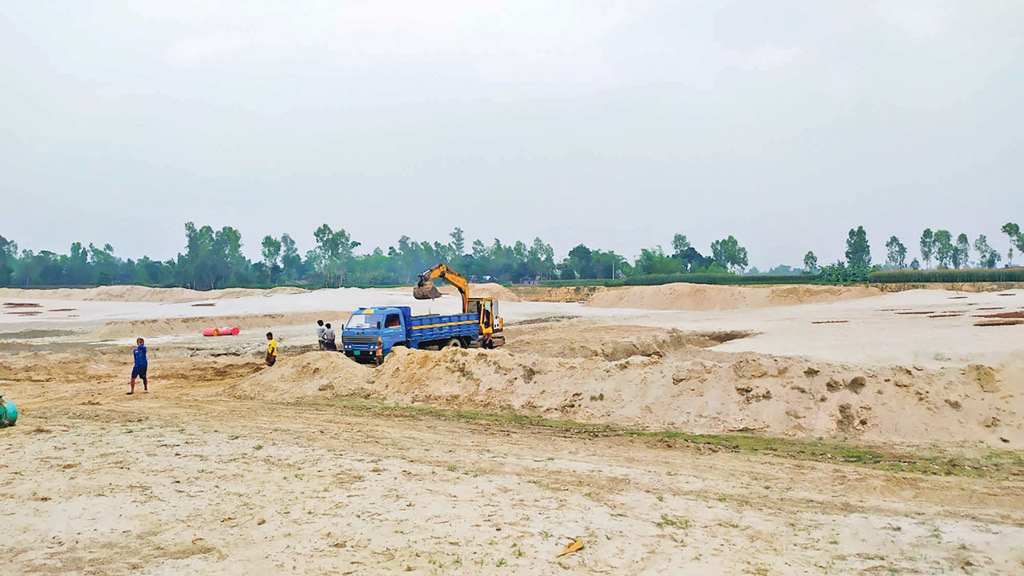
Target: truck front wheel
point(454, 343)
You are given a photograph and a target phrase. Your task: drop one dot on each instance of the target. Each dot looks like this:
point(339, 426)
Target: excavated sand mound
point(684, 296)
point(303, 376)
point(141, 294)
point(486, 290)
point(492, 290)
point(674, 381)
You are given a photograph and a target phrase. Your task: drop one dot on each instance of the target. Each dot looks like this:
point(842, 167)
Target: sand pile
point(563, 340)
point(149, 328)
point(486, 290)
point(304, 376)
point(683, 296)
point(707, 392)
point(676, 381)
point(141, 294)
point(492, 290)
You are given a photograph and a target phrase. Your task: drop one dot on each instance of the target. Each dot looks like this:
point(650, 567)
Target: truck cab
point(371, 333)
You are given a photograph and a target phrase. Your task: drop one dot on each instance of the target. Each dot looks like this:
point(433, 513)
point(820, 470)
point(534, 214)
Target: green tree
point(655, 261)
point(1012, 232)
point(458, 242)
point(729, 254)
point(540, 260)
point(42, 268)
point(77, 269)
point(858, 251)
point(152, 272)
point(199, 268)
point(692, 261)
point(897, 253)
point(212, 259)
point(230, 263)
point(944, 248)
point(679, 245)
point(8, 257)
point(609, 264)
point(927, 247)
point(961, 251)
point(291, 260)
point(810, 262)
point(271, 251)
point(333, 251)
point(987, 256)
point(578, 264)
point(104, 263)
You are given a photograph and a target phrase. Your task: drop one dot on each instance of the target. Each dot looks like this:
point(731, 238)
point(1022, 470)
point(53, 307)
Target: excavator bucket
point(425, 291)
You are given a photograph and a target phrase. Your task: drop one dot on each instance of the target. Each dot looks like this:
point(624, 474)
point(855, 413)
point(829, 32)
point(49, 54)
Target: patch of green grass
point(993, 463)
point(990, 463)
point(670, 522)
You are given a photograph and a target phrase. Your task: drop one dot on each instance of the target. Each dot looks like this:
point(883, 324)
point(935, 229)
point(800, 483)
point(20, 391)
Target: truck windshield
point(365, 321)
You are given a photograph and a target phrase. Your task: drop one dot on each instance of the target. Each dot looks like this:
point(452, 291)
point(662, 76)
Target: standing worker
point(141, 364)
point(487, 327)
point(320, 333)
point(271, 349)
point(329, 338)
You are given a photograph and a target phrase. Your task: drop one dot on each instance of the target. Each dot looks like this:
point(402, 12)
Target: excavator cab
point(491, 324)
point(485, 309)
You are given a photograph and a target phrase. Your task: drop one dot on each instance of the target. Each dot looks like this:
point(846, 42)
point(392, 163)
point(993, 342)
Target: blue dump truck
point(371, 333)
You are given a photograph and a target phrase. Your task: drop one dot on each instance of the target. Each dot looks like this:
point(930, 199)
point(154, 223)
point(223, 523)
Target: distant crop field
point(971, 275)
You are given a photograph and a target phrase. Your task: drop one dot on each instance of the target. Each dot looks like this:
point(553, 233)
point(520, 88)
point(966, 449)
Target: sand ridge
point(676, 381)
point(141, 293)
point(685, 296)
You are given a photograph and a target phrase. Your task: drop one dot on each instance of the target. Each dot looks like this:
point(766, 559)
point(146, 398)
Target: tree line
point(937, 246)
point(213, 259)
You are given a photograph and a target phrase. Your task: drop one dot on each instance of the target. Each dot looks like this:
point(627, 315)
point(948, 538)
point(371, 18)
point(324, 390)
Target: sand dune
point(683, 296)
point(141, 294)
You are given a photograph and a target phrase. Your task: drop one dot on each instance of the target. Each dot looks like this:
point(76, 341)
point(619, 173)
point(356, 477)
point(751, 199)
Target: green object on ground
point(8, 412)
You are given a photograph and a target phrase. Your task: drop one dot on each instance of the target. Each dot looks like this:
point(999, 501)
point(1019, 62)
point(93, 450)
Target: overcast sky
point(614, 124)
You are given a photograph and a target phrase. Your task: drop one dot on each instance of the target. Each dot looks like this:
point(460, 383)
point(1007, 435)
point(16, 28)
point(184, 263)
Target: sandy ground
point(322, 466)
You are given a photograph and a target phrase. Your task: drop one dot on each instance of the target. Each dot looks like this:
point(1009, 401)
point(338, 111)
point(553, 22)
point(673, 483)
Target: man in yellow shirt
point(271, 349)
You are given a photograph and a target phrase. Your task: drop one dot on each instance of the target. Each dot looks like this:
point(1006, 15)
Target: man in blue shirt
point(139, 370)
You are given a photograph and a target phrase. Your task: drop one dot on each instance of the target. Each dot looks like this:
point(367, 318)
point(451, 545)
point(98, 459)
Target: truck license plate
point(356, 352)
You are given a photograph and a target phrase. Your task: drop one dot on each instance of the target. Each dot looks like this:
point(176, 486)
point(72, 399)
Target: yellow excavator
point(485, 309)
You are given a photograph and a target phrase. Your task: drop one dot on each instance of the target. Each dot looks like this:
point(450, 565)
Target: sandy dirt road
point(154, 484)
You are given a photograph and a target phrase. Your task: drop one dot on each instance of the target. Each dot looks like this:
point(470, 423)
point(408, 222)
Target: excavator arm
point(425, 289)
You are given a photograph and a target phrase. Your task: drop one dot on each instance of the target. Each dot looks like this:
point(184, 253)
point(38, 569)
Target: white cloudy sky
point(615, 124)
